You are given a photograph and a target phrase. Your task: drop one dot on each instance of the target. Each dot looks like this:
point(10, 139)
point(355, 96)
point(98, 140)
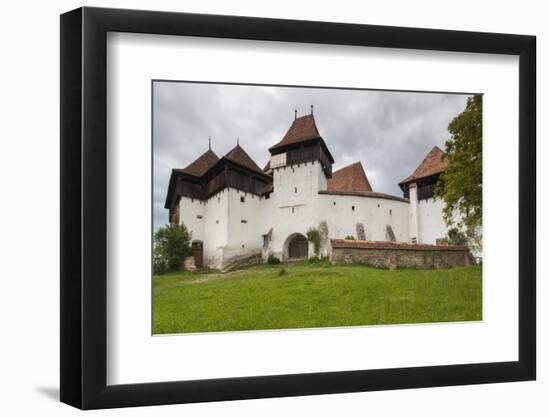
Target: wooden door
point(197, 253)
point(297, 247)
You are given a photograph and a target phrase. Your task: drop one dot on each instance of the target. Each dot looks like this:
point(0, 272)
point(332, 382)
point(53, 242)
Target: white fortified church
point(236, 210)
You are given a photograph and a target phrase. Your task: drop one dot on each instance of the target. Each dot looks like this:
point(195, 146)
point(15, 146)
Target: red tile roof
point(302, 129)
point(349, 178)
point(238, 155)
point(200, 165)
point(376, 244)
point(431, 165)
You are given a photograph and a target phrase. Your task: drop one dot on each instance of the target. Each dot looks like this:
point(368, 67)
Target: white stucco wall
point(293, 207)
point(244, 238)
point(375, 213)
point(215, 229)
point(413, 215)
point(297, 184)
point(431, 225)
point(190, 210)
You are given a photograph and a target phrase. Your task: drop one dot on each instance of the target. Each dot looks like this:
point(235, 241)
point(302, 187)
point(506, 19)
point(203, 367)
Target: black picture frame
point(84, 207)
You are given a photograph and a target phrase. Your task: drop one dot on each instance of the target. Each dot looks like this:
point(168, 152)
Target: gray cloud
point(389, 132)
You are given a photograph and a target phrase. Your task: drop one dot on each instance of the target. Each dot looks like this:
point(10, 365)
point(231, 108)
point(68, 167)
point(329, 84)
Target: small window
point(242, 245)
point(242, 199)
point(192, 200)
point(199, 216)
point(295, 190)
point(352, 208)
point(390, 212)
point(244, 221)
point(334, 203)
point(292, 210)
point(217, 222)
point(378, 205)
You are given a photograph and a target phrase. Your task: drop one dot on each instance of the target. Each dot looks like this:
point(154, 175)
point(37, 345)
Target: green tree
point(314, 237)
point(455, 236)
point(460, 184)
point(172, 245)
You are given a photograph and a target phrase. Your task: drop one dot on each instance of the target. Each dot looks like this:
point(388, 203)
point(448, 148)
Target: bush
point(350, 237)
point(273, 260)
point(282, 272)
point(314, 237)
point(160, 265)
point(171, 247)
point(456, 237)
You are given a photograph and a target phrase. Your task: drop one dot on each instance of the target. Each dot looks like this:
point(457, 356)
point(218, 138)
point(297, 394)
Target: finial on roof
point(209, 143)
point(237, 141)
point(312, 109)
point(295, 114)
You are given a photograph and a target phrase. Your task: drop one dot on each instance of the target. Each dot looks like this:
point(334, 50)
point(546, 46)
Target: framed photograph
point(259, 208)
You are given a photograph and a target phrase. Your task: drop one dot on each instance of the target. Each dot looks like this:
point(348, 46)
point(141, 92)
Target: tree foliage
point(314, 237)
point(455, 236)
point(172, 246)
point(461, 183)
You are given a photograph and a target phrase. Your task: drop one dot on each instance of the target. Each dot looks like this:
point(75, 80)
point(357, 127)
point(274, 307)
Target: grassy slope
point(313, 295)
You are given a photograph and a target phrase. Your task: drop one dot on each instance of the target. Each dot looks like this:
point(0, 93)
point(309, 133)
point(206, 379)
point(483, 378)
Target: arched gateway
point(296, 247)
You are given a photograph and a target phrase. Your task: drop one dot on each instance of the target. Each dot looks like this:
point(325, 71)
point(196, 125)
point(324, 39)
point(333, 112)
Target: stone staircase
point(240, 262)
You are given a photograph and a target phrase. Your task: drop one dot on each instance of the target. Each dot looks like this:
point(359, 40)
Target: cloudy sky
point(389, 132)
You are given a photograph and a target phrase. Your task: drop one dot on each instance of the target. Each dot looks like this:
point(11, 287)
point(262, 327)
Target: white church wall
point(192, 215)
point(297, 184)
point(413, 214)
point(431, 225)
point(245, 224)
point(294, 204)
point(215, 229)
point(290, 220)
point(343, 212)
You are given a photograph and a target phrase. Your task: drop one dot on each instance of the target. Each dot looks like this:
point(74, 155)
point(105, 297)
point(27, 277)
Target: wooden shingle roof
point(432, 164)
point(351, 178)
point(302, 129)
point(200, 165)
point(238, 155)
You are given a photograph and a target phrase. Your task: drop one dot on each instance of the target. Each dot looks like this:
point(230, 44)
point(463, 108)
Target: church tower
point(300, 163)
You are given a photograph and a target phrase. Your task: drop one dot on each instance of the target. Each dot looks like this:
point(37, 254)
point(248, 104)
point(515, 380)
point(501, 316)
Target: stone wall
point(393, 255)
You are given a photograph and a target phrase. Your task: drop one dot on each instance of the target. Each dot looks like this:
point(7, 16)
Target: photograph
point(292, 207)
